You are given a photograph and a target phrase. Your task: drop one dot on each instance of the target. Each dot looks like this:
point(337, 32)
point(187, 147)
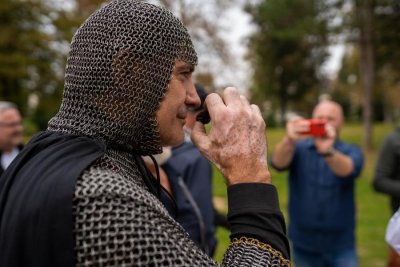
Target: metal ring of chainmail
point(118, 71)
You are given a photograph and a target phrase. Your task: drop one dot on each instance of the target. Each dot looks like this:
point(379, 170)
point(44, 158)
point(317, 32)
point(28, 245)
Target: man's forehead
point(9, 111)
point(328, 106)
point(328, 109)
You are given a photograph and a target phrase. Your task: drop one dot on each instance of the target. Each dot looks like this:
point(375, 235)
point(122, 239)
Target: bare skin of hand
point(236, 143)
point(296, 126)
point(324, 144)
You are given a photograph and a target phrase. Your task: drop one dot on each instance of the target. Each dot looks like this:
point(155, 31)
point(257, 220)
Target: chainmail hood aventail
point(118, 70)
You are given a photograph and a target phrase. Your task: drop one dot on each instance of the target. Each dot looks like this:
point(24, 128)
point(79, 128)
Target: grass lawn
point(372, 208)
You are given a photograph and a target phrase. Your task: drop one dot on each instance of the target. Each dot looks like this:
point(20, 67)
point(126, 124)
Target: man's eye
point(186, 73)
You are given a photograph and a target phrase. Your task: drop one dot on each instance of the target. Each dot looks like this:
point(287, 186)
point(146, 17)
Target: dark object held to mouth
point(203, 117)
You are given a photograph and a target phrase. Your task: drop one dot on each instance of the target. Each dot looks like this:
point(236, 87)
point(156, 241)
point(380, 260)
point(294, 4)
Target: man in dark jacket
point(387, 178)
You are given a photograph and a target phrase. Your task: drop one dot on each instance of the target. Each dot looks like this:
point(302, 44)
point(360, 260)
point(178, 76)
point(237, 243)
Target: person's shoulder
point(99, 180)
point(183, 156)
point(186, 150)
point(394, 135)
point(185, 146)
point(392, 140)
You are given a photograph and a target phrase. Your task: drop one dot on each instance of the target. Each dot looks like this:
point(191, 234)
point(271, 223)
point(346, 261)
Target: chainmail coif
point(120, 64)
point(118, 70)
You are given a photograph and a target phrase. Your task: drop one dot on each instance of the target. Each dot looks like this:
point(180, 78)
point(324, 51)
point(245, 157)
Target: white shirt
point(393, 232)
point(8, 157)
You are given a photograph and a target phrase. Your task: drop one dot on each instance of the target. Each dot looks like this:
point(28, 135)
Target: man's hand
point(236, 143)
point(294, 128)
point(325, 144)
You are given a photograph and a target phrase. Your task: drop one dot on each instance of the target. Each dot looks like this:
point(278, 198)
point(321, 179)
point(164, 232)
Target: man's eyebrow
point(184, 67)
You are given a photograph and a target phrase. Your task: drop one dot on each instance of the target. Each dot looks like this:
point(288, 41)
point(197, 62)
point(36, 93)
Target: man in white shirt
point(11, 131)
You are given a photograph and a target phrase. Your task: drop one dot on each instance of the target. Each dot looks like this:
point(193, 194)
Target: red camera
point(317, 128)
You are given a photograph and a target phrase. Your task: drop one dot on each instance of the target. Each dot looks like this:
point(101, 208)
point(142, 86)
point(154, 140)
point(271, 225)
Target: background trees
point(287, 52)
point(34, 39)
point(26, 54)
point(374, 36)
point(290, 47)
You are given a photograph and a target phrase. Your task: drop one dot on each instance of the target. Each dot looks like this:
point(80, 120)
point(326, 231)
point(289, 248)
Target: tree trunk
point(366, 9)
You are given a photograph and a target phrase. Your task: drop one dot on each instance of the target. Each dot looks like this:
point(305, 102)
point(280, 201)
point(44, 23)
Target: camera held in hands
point(316, 129)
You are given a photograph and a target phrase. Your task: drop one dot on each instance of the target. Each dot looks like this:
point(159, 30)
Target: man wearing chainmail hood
point(79, 193)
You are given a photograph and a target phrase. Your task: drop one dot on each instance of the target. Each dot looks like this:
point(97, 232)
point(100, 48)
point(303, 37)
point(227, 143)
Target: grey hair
point(4, 105)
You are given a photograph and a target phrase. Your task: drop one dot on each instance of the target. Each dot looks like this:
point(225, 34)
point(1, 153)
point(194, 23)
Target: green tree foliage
point(386, 41)
point(348, 85)
point(30, 57)
point(374, 40)
point(34, 42)
point(288, 50)
point(24, 54)
point(387, 33)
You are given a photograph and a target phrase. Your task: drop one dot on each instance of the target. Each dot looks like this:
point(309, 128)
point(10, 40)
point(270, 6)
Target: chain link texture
point(118, 71)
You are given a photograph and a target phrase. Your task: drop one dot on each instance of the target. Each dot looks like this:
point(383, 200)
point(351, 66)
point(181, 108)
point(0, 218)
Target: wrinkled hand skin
point(236, 143)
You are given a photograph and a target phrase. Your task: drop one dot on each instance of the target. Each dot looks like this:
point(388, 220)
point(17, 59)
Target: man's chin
point(179, 141)
point(176, 141)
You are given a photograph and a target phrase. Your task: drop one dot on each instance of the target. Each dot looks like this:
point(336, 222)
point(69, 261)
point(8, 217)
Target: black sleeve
point(253, 211)
point(386, 172)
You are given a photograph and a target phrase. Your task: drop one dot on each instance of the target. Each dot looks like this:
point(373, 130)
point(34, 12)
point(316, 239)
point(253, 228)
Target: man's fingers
point(232, 97)
point(199, 136)
point(215, 106)
point(256, 109)
point(244, 100)
point(295, 118)
point(302, 128)
point(330, 131)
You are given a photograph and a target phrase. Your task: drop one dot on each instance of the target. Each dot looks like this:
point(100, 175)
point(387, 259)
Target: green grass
point(373, 210)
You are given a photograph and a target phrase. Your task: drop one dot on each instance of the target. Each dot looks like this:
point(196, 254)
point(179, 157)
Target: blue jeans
point(342, 258)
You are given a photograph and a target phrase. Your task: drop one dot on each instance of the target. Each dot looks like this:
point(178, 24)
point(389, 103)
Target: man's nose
point(192, 98)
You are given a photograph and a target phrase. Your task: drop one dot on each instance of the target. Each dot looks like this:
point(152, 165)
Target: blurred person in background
point(322, 171)
point(387, 179)
point(11, 132)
